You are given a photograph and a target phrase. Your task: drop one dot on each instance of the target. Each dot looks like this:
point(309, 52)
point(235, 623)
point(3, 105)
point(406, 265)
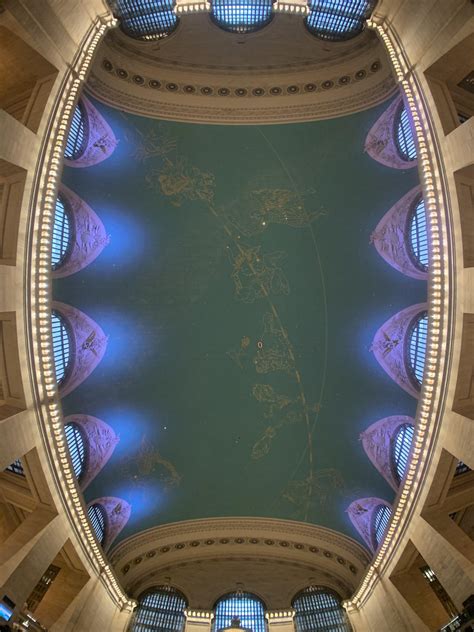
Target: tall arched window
point(418, 236)
point(77, 448)
point(318, 609)
point(415, 353)
point(241, 16)
point(77, 137)
point(382, 516)
point(96, 514)
point(404, 138)
point(61, 346)
point(249, 609)
point(62, 234)
point(338, 19)
point(401, 447)
point(161, 609)
point(145, 20)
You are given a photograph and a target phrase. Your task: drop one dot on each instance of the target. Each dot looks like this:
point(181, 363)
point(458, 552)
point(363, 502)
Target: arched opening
point(77, 448)
point(415, 351)
point(417, 235)
point(62, 234)
point(61, 346)
point(97, 518)
point(160, 608)
point(404, 138)
point(338, 20)
point(241, 16)
point(382, 515)
point(401, 447)
point(319, 609)
point(145, 20)
point(244, 606)
point(77, 137)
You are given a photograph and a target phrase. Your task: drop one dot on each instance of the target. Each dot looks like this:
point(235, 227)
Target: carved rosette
point(88, 234)
point(389, 346)
point(100, 443)
point(361, 512)
point(390, 238)
point(101, 141)
point(380, 143)
point(87, 343)
point(377, 441)
point(117, 513)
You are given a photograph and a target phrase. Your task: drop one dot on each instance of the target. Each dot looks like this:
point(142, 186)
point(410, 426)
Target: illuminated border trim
point(39, 300)
point(432, 391)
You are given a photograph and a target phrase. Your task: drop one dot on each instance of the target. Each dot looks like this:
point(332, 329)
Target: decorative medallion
point(292, 89)
point(154, 83)
point(275, 90)
point(138, 79)
point(223, 92)
point(206, 90)
point(172, 87)
point(310, 87)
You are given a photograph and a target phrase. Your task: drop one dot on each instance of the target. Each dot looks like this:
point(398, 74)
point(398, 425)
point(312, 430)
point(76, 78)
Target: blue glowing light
point(338, 19)
point(247, 607)
point(146, 19)
point(241, 16)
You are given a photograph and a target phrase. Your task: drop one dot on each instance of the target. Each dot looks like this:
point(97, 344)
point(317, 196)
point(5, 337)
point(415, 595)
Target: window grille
point(248, 608)
point(42, 587)
point(439, 590)
point(338, 19)
point(77, 448)
point(161, 609)
point(382, 517)
point(146, 19)
point(16, 468)
point(405, 140)
point(77, 137)
point(61, 346)
point(401, 450)
point(319, 610)
point(241, 16)
point(96, 516)
point(417, 338)
point(61, 234)
point(418, 236)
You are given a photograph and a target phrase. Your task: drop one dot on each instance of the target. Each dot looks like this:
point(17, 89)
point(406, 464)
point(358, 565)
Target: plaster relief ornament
point(101, 141)
point(390, 237)
point(389, 349)
point(88, 234)
point(380, 143)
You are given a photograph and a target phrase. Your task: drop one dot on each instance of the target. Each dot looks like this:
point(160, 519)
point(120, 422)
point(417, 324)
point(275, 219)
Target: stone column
point(198, 620)
point(280, 620)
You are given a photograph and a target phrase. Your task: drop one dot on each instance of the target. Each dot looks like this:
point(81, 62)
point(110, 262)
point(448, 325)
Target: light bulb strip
point(438, 295)
point(50, 412)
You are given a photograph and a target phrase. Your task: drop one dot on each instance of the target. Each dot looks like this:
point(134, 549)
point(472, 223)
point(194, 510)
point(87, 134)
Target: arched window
point(248, 608)
point(382, 516)
point(146, 20)
point(415, 353)
point(61, 346)
point(96, 514)
point(77, 448)
point(160, 609)
point(401, 450)
point(77, 137)
point(338, 19)
point(319, 610)
point(404, 138)
point(62, 234)
point(418, 236)
point(241, 16)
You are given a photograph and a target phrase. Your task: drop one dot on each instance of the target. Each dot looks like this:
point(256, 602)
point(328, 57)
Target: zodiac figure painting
point(139, 466)
point(180, 181)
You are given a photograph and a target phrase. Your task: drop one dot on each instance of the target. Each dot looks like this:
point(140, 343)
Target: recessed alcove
point(12, 185)
point(12, 399)
point(464, 179)
point(464, 394)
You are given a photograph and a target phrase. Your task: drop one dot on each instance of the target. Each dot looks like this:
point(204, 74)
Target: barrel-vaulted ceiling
point(240, 294)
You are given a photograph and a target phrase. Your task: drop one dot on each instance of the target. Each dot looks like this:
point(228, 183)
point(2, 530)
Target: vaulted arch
point(371, 517)
point(108, 515)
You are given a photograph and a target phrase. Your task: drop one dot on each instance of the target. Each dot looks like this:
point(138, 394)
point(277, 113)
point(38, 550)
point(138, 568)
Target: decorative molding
point(389, 346)
point(88, 234)
point(380, 143)
point(390, 237)
point(88, 344)
point(361, 512)
point(100, 444)
point(101, 141)
point(377, 441)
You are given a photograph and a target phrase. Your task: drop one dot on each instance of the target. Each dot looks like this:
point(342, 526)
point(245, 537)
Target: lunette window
point(319, 610)
point(248, 608)
point(160, 609)
point(241, 16)
point(146, 19)
point(338, 19)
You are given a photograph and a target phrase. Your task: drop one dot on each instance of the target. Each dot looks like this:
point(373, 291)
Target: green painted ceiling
point(240, 294)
